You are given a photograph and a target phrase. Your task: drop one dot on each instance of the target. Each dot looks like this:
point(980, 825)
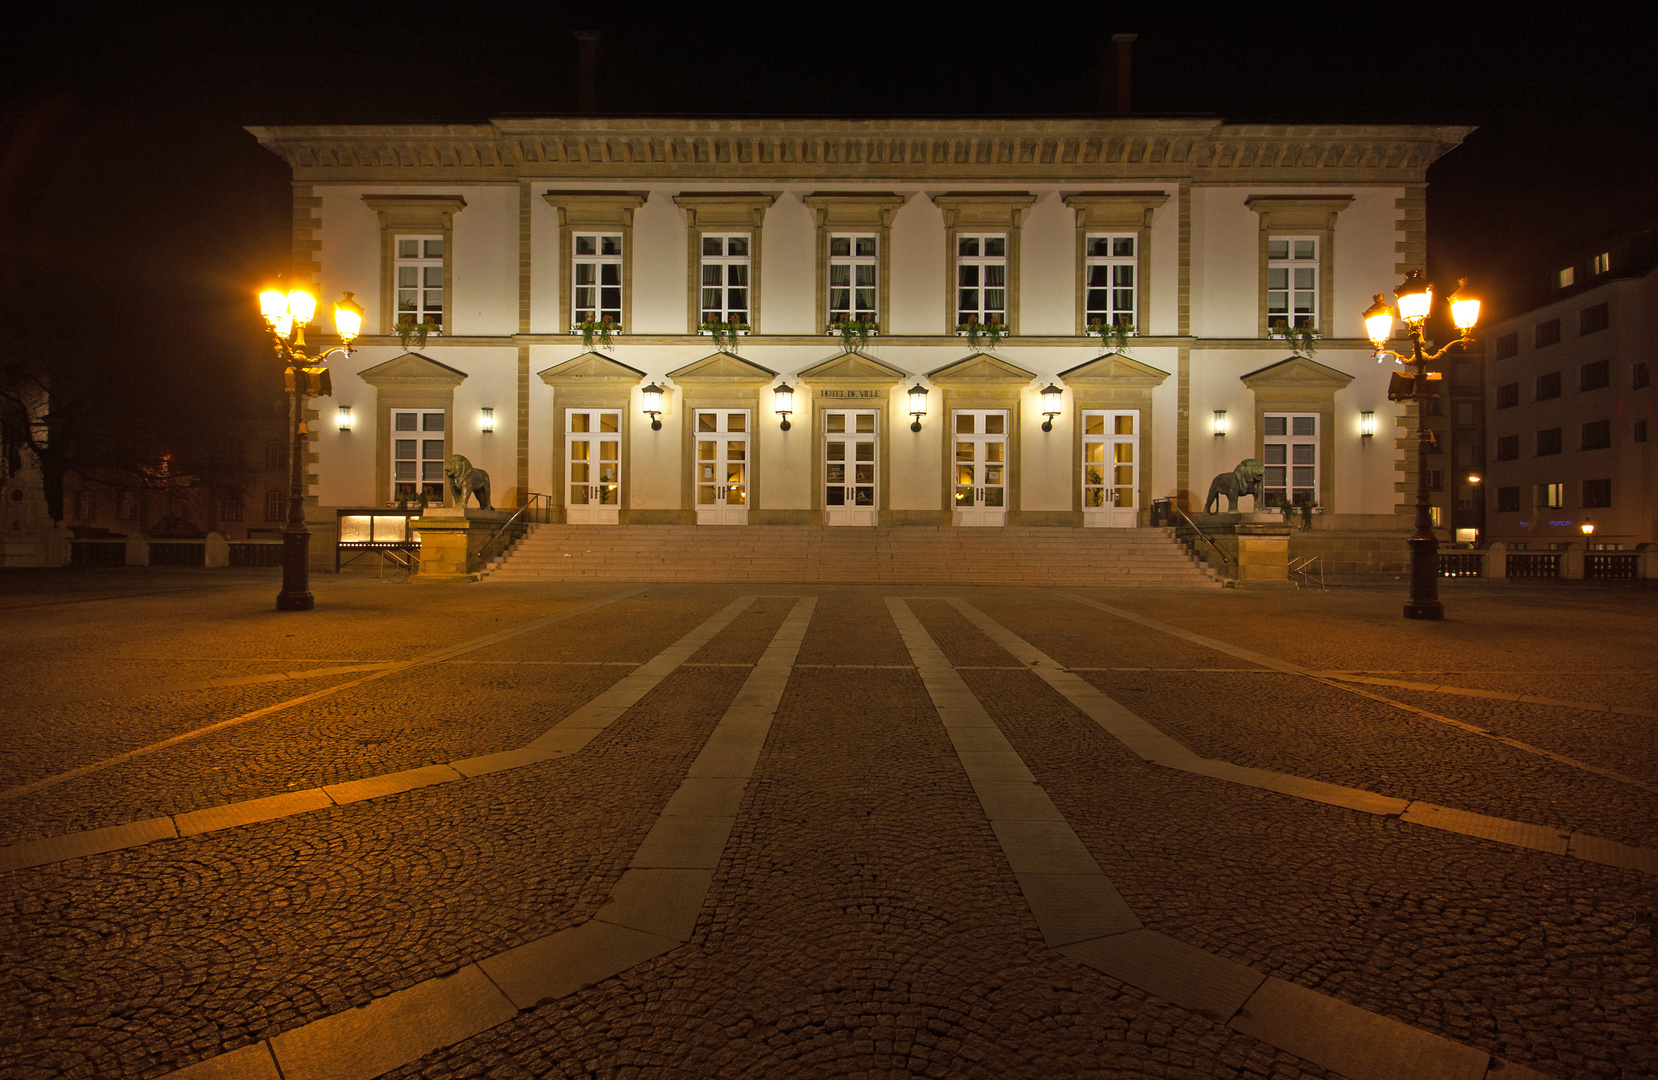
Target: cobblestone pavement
point(862, 919)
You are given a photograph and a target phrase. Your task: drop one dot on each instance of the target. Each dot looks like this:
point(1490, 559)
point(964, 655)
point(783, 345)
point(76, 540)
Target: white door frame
point(851, 479)
point(723, 480)
point(979, 466)
point(594, 498)
point(1111, 455)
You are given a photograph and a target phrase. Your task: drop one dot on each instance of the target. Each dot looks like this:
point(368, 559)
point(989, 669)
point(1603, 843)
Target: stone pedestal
point(1257, 545)
point(450, 539)
point(28, 535)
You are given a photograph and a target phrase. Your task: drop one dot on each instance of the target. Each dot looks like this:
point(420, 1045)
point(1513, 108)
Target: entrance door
point(1110, 468)
point(981, 467)
point(592, 466)
point(850, 492)
point(722, 466)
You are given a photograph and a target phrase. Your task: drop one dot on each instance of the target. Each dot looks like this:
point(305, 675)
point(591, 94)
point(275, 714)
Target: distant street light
point(1415, 298)
point(287, 315)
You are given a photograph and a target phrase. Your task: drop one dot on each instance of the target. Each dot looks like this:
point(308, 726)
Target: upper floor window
point(1597, 493)
point(1594, 376)
point(1508, 345)
point(1292, 281)
point(853, 267)
point(596, 277)
point(1551, 496)
point(1548, 386)
point(1508, 447)
point(981, 277)
point(1597, 435)
point(1548, 442)
point(1602, 263)
point(276, 454)
point(1566, 277)
point(230, 505)
point(419, 269)
point(1546, 334)
point(1508, 395)
point(1291, 458)
point(1639, 378)
point(1112, 264)
point(1638, 433)
point(276, 505)
point(725, 278)
point(1508, 500)
point(1594, 319)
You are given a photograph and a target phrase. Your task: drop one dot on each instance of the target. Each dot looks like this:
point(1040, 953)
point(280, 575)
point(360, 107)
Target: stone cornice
point(1030, 150)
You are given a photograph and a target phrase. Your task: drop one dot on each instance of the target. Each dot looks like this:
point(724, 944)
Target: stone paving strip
point(1082, 915)
point(566, 737)
point(1493, 695)
point(204, 684)
point(653, 909)
point(1152, 745)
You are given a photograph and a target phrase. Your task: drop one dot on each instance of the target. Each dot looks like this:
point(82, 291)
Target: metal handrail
point(1301, 572)
point(1224, 556)
point(485, 553)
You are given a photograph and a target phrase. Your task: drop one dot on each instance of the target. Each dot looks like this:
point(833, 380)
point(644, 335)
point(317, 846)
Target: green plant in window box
point(1303, 340)
point(991, 332)
point(855, 333)
point(408, 330)
point(419, 498)
point(1112, 336)
point(724, 333)
point(601, 332)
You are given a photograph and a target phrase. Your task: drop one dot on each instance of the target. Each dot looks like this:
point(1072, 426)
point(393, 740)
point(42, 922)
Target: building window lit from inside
point(1547, 333)
point(1602, 263)
point(419, 269)
point(981, 278)
point(1508, 500)
point(1110, 266)
point(596, 277)
point(1597, 494)
point(1291, 458)
point(1551, 496)
point(1567, 277)
point(1292, 281)
point(725, 278)
point(417, 454)
point(1548, 442)
point(852, 271)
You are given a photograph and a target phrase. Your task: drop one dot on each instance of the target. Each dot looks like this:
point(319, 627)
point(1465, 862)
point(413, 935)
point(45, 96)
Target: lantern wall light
point(1220, 423)
point(1367, 424)
point(345, 417)
point(486, 421)
point(1053, 403)
point(783, 403)
point(918, 406)
point(652, 398)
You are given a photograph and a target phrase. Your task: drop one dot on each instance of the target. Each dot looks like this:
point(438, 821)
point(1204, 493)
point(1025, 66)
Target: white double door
point(981, 462)
point(1110, 468)
point(722, 438)
point(851, 473)
point(592, 466)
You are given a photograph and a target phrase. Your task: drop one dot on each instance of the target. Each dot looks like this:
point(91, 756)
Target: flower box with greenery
point(601, 332)
point(991, 332)
point(1302, 339)
point(854, 333)
point(408, 330)
point(725, 334)
point(1111, 335)
point(419, 498)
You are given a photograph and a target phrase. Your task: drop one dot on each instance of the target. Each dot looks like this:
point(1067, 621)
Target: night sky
point(137, 218)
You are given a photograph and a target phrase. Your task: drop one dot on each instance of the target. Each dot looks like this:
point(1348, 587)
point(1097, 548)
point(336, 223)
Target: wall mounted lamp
point(1367, 424)
point(1220, 423)
point(1053, 403)
point(486, 421)
point(652, 396)
point(345, 417)
point(918, 405)
point(783, 403)
point(1588, 527)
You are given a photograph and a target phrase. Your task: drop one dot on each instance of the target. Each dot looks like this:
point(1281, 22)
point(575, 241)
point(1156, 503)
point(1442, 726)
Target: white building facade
point(1204, 238)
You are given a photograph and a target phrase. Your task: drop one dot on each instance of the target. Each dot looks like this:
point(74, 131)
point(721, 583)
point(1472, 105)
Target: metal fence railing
point(1611, 565)
point(1462, 564)
point(1534, 564)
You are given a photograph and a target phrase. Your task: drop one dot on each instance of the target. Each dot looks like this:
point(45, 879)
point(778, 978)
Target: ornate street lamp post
point(1415, 298)
point(287, 315)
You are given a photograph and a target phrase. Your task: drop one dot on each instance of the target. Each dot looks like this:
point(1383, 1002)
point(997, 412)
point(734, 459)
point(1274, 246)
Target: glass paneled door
point(592, 466)
point(1110, 468)
point(850, 456)
point(722, 466)
point(980, 487)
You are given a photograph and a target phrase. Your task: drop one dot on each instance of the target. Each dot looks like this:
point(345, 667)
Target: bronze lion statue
point(1246, 479)
point(464, 480)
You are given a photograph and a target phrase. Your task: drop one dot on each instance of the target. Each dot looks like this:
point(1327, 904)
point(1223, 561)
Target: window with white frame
point(725, 277)
point(1111, 263)
point(981, 277)
point(596, 277)
point(1292, 282)
point(276, 505)
point(230, 505)
point(1291, 458)
point(417, 438)
point(852, 270)
point(419, 272)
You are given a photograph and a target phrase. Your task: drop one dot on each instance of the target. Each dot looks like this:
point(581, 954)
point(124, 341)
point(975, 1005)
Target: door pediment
point(1114, 370)
point(980, 370)
point(723, 369)
point(414, 371)
point(590, 369)
point(1297, 373)
point(852, 367)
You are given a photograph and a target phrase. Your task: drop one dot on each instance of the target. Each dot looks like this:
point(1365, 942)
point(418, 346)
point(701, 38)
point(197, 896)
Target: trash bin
point(1162, 512)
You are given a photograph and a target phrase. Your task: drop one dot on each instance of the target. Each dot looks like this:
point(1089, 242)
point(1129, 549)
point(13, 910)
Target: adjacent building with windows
point(974, 264)
point(1570, 387)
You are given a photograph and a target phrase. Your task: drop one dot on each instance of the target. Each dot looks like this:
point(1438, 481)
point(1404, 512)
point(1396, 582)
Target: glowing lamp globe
point(348, 319)
point(1415, 297)
point(1378, 321)
point(302, 306)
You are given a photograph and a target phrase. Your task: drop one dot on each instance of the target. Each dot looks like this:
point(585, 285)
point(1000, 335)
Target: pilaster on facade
point(1412, 227)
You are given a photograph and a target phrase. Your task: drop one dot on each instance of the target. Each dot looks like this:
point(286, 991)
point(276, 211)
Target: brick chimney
point(1124, 63)
point(587, 67)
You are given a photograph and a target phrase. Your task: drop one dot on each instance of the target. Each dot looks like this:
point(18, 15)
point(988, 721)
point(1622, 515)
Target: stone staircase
point(890, 556)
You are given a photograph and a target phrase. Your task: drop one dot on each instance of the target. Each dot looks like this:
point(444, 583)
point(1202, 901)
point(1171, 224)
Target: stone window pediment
point(593, 211)
point(1127, 210)
point(591, 369)
point(855, 212)
point(420, 215)
point(1300, 216)
point(852, 367)
point(980, 370)
point(1297, 373)
point(595, 208)
point(735, 209)
point(1121, 214)
point(1298, 385)
point(1114, 370)
point(412, 371)
point(723, 369)
point(728, 212)
point(967, 216)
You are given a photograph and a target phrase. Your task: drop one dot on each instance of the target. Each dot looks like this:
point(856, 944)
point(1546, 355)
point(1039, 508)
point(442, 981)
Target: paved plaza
point(606, 830)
